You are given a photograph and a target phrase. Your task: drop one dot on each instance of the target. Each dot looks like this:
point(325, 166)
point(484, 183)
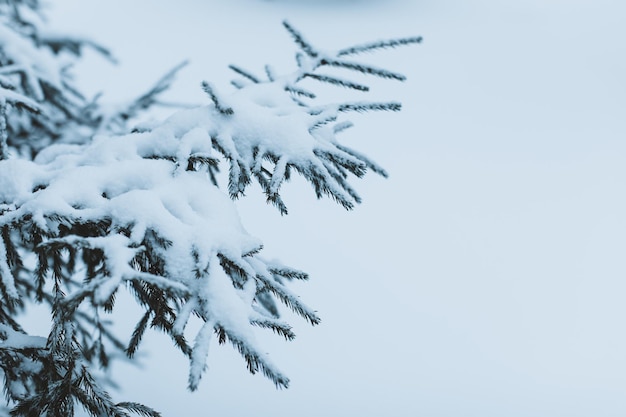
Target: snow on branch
point(143, 212)
point(36, 76)
point(293, 135)
point(19, 100)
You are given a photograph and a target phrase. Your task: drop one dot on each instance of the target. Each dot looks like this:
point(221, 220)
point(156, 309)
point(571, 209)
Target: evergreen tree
point(39, 102)
point(83, 218)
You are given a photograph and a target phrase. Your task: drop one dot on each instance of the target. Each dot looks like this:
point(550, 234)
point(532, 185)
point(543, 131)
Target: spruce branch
point(289, 299)
point(254, 360)
point(244, 74)
point(19, 100)
point(337, 81)
point(211, 93)
point(299, 40)
point(262, 176)
point(139, 409)
point(138, 333)
point(271, 74)
point(75, 46)
point(199, 354)
point(150, 97)
point(365, 69)
point(370, 164)
point(279, 327)
point(300, 92)
point(289, 273)
point(143, 212)
point(368, 47)
point(364, 107)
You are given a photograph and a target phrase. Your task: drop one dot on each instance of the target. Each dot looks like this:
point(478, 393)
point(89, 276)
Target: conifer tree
point(84, 218)
point(39, 101)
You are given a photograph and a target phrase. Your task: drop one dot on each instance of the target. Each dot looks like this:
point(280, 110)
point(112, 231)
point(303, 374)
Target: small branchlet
point(245, 74)
point(289, 273)
point(363, 107)
point(289, 299)
point(300, 92)
point(227, 111)
point(300, 41)
point(337, 81)
point(256, 362)
point(365, 69)
point(150, 98)
point(368, 47)
point(278, 327)
point(74, 275)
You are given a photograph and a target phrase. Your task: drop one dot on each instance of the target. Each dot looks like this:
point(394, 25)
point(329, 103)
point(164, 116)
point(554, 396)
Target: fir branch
point(114, 340)
point(300, 60)
point(238, 84)
point(365, 69)
point(138, 333)
point(347, 161)
point(370, 164)
point(244, 74)
point(184, 313)
point(235, 270)
point(227, 111)
point(288, 299)
point(20, 100)
point(337, 81)
point(199, 354)
point(140, 409)
point(271, 74)
point(252, 252)
point(324, 184)
point(266, 301)
point(149, 98)
point(345, 185)
point(75, 46)
point(299, 40)
point(279, 327)
point(300, 92)
point(273, 198)
point(117, 250)
point(238, 178)
point(196, 161)
point(322, 120)
point(278, 175)
point(288, 273)
point(392, 43)
point(364, 106)
point(254, 360)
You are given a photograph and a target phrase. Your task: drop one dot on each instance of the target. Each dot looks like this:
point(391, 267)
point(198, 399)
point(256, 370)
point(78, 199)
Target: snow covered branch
point(143, 212)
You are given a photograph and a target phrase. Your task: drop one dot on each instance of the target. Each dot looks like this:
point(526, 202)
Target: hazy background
point(486, 276)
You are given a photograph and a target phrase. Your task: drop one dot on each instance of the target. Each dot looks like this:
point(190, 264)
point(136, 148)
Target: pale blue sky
point(486, 276)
